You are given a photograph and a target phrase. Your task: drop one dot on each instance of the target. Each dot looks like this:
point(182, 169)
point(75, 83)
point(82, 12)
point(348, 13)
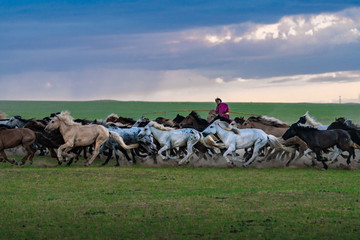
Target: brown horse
point(269, 125)
point(10, 138)
point(195, 121)
point(165, 121)
point(76, 135)
point(211, 115)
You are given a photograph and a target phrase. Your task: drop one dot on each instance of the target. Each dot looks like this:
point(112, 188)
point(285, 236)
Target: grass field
point(288, 112)
point(179, 202)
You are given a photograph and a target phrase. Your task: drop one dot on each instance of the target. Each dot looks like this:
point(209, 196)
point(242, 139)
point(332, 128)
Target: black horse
point(322, 140)
point(340, 124)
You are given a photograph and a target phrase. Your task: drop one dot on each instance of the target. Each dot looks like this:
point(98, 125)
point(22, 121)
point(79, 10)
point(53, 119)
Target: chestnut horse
point(10, 138)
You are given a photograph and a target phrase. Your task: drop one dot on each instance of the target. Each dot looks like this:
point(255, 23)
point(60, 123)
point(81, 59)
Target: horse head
point(291, 132)
point(53, 124)
point(145, 131)
point(188, 121)
point(211, 129)
point(211, 116)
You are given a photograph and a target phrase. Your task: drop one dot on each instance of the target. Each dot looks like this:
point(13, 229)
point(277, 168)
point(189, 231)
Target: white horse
point(234, 139)
point(169, 138)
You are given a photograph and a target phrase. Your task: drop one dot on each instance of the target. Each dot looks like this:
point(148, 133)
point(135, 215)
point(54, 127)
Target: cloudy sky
point(159, 50)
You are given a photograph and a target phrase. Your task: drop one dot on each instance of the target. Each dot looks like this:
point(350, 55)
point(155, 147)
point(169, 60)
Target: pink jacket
point(223, 110)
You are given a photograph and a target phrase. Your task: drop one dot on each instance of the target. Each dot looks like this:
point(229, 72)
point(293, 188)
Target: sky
point(161, 50)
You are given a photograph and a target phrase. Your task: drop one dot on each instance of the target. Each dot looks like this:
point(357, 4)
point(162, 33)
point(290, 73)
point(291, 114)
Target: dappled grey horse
point(170, 138)
point(130, 136)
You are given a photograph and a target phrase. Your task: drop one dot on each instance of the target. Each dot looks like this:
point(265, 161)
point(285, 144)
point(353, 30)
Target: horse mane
point(198, 119)
point(125, 120)
point(100, 122)
point(66, 118)
point(159, 126)
point(239, 120)
point(213, 112)
point(178, 118)
point(306, 128)
point(221, 118)
point(351, 124)
point(111, 117)
point(35, 125)
point(311, 120)
point(226, 126)
point(270, 121)
point(165, 121)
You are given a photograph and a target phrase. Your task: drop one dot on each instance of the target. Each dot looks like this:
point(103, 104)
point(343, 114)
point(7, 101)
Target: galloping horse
point(177, 120)
point(171, 138)
point(340, 124)
point(10, 138)
point(17, 121)
point(321, 140)
point(49, 140)
point(130, 136)
point(76, 135)
point(195, 121)
point(234, 139)
point(276, 127)
point(165, 121)
point(270, 125)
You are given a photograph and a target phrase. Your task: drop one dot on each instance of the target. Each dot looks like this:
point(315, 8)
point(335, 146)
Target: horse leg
point(321, 159)
point(190, 144)
point(53, 155)
point(61, 149)
point(98, 143)
point(12, 161)
point(164, 148)
point(30, 153)
point(232, 148)
point(117, 157)
point(133, 156)
point(351, 153)
point(258, 145)
point(109, 154)
point(335, 154)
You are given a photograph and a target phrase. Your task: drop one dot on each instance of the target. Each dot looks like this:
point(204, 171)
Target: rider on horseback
point(222, 108)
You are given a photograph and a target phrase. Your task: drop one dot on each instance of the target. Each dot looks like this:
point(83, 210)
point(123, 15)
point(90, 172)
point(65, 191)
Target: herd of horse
point(261, 137)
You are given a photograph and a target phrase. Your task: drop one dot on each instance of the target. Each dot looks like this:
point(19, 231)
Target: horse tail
point(208, 141)
point(354, 145)
point(275, 143)
point(117, 138)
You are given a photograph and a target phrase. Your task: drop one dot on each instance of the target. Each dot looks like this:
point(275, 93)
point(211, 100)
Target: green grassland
point(178, 203)
point(288, 112)
point(140, 202)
